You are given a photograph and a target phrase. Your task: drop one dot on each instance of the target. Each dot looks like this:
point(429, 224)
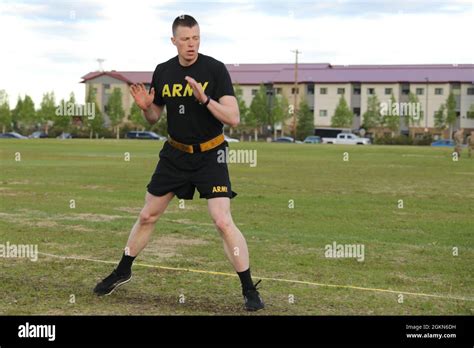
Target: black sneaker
point(112, 282)
point(253, 301)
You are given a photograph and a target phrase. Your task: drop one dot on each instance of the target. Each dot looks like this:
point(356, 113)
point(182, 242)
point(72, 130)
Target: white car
point(231, 140)
point(347, 139)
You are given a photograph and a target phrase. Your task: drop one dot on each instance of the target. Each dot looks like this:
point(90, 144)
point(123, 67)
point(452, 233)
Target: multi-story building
point(322, 86)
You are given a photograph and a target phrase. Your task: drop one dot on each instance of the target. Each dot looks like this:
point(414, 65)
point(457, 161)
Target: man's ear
point(173, 40)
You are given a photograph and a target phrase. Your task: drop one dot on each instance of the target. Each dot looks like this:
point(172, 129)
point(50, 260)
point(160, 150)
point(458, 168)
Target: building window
point(310, 89)
point(341, 90)
point(405, 87)
point(420, 91)
point(323, 113)
point(356, 111)
point(370, 91)
point(297, 90)
point(438, 91)
point(356, 90)
point(278, 90)
point(470, 91)
point(106, 85)
point(388, 91)
point(323, 90)
point(254, 92)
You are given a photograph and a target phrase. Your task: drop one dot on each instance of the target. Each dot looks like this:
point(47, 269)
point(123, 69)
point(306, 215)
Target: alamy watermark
point(406, 109)
point(27, 251)
point(237, 156)
point(335, 250)
point(69, 109)
point(37, 331)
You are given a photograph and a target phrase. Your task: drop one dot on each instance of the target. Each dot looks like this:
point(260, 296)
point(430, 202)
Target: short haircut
point(183, 21)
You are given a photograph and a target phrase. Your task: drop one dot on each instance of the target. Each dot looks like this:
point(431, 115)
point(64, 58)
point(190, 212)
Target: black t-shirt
point(188, 121)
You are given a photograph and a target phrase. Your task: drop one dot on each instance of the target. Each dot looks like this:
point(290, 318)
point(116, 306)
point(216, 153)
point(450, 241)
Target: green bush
point(397, 140)
point(427, 139)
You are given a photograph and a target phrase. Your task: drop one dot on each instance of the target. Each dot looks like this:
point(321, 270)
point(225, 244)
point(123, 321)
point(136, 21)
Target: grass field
point(352, 202)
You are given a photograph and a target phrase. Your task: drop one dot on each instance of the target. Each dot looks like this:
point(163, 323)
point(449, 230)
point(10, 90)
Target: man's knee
point(146, 218)
point(224, 224)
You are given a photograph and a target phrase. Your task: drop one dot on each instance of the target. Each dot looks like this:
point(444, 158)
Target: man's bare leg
point(138, 239)
point(236, 249)
point(235, 245)
point(140, 235)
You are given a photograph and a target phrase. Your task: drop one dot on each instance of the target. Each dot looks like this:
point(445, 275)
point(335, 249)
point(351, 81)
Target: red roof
point(126, 76)
point(245, 74)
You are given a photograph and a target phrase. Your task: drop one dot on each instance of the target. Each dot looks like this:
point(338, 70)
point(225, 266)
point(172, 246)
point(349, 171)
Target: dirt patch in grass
point(8, 193)
point(27, 220)
point(130, 210)
point(88, 217)
point(165, 246)
point(17, 182)
point(187, 222)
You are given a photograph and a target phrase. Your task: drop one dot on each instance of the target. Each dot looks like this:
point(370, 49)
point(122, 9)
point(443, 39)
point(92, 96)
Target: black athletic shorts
point(181, 172)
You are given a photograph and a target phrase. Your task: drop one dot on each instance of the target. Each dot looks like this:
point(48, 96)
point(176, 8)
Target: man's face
point(187, 41)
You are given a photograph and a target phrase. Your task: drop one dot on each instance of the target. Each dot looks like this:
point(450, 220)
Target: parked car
point(444, 143)
point(231, 140)
point(12, 135)
point(312, 139)
point(38, 135)
point(64, 136)
point(144, 135)
point(285, 140)
point(347, 139)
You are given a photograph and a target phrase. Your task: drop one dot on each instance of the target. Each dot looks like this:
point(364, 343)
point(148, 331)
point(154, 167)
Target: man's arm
point(153, 113)
point(225, 110)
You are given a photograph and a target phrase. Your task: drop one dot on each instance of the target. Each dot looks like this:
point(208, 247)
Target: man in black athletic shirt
point(199, 98)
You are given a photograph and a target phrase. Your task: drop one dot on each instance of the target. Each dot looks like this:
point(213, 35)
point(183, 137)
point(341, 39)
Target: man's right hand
point(142, 98)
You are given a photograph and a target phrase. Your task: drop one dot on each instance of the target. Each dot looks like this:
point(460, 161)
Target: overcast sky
point(49, 45)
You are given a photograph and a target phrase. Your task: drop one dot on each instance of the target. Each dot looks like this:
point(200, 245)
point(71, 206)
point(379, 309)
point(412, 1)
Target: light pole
point(426, 106)
point(295, 88)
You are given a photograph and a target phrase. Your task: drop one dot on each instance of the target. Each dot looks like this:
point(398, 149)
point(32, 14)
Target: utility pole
point(295, 87)
point(426, 106)
point(100, 61)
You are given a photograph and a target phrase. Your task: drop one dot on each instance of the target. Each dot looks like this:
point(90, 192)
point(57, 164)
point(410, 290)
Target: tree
point(137, 118)
point(279, 112)
point(5, 113)
point(16, 114)
point(24, 113)
point(63, 122)
point(445, 116)
point(95, 124)
point(392, 119)
point(440, 117)
point(161, 127)
point(47, 110)
point(115, 109)
point(470, 113)
point(305, 125)
point(372, 117)
point(450, 112)
point(342, 115)
point(258, 112)
point(243, 109)
point(414, 116)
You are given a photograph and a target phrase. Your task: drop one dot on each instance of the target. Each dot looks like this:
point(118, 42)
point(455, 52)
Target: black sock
point(125, 265)
point(246, 280)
